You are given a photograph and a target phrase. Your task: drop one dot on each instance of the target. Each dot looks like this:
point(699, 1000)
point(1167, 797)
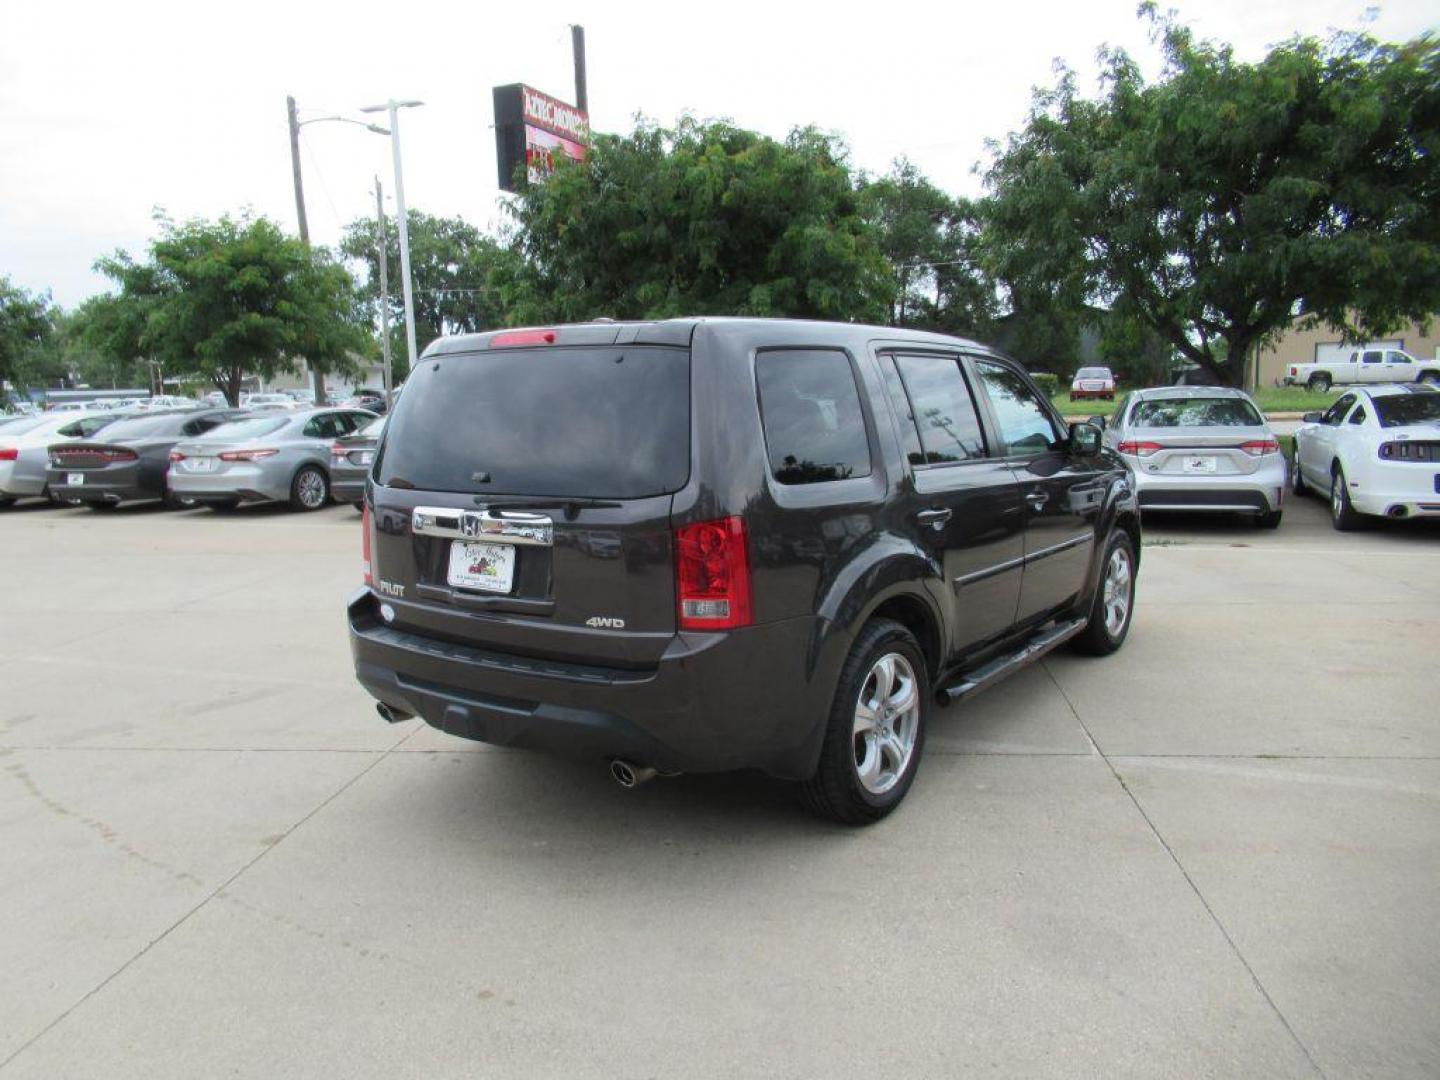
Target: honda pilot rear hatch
point(522, 500)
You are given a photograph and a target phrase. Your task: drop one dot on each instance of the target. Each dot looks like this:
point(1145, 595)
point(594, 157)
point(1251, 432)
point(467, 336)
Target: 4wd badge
point(605, 622)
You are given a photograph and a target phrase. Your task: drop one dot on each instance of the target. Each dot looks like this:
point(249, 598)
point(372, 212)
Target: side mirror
point(1084, 439)
point(1098, 421)
point(1313, 417)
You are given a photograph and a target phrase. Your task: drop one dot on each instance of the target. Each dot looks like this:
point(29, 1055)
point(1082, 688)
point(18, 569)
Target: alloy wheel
point(311, 490)
point(1117, 587)
point(887, 723)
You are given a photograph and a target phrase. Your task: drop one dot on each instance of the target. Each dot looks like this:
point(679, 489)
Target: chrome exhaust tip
point(389, 715)
point(1399, 512)
point(630, 775)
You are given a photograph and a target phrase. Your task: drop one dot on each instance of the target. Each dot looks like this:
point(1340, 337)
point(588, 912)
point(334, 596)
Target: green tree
point(452, 265)
point(1225, 199)
point(930, 241)
point(26, 327)
point(223, 298)
point(702, 218)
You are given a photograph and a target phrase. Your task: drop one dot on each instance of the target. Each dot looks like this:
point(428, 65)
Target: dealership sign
point(534, 128)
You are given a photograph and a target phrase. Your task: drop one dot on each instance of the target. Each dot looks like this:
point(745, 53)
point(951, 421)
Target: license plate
point(202, 464)
point(488, 567)
point(75, 478)
point(1199, 464)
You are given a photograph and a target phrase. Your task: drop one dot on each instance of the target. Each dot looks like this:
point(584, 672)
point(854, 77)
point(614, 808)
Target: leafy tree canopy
point(452, 265)
point(702, 218)
point(221, 298)
point(930, 242)
point(25, 327)
point(1227, 198)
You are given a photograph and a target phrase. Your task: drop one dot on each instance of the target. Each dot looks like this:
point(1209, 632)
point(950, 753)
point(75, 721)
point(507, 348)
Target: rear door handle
point(936, 518)
point(1037, 500)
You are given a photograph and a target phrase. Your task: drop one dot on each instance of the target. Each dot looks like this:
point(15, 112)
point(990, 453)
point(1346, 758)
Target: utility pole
point(384, 294)
point(295, 168)
point(317, 377)
point(577, 45)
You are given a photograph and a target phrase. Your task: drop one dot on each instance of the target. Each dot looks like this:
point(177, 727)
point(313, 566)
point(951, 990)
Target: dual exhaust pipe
point(625, 773)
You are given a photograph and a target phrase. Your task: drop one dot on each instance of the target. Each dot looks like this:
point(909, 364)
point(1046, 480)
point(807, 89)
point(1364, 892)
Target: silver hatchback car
point(280, 456)
point(1203, 448)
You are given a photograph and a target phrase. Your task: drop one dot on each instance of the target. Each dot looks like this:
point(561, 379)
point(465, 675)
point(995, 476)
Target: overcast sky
point(108, 110)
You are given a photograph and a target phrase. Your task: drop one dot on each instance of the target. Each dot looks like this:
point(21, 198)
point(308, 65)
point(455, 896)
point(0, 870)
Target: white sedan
point(1375, 451)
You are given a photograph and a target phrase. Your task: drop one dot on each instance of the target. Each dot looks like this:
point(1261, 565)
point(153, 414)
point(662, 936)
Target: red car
point(1093, 382)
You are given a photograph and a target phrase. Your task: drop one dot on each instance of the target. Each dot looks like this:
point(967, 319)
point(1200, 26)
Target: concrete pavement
point(1214, 854)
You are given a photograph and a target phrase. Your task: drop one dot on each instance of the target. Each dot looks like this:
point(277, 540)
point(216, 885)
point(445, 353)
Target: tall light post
point(317, 378)
point(393, 107)
point(384, 293)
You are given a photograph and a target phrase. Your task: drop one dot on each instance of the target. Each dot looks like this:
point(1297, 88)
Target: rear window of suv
point(594, 422)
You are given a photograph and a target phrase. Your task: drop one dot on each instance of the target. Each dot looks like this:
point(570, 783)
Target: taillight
point(1261, 447)
point(176, 455)
point(522, 337)
point(712, 574)
point(1134, 448)
point(1294, 371)
point(9, 453)
point(247, 455)
point(337, 451)
point(365, 542)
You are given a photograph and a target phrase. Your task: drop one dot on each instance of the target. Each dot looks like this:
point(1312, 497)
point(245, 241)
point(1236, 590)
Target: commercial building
point(1323, 343)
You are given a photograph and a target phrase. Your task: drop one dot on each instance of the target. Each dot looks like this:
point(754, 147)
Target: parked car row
point(212, 457)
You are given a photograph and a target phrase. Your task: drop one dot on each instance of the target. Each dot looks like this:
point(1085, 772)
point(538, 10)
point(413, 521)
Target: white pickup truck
point(1363, 366)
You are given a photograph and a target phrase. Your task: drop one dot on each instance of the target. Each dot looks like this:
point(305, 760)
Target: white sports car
point(1375, 451)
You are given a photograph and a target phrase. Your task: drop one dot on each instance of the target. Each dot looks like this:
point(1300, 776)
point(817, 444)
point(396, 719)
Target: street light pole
point(392, 107)
point(316, 375)
point(384, 294)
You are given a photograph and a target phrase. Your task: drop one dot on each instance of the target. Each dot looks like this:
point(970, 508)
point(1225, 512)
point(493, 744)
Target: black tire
point(6, 501)
point(1099, 638)
point(1269, 520)
point(1297, 482)
point(310, 490)
point(836, 790)
point(1343, 514)
point(1430, 377)
point(1319, 383)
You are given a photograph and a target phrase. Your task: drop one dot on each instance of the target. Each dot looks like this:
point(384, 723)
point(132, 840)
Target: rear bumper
point(246, 482)
point(16, 482)
point(1411, 490)
point(1260, 492)
point(348, 486)
point(713, 703)
point(101, 485)
point(1103, 395)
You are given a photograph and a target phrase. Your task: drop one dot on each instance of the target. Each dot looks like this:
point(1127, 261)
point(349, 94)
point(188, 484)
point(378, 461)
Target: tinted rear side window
point(810, 408)
point(609, 422)
point(943, 410)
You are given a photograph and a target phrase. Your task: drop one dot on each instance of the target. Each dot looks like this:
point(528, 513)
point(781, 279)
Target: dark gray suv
point(713, 544)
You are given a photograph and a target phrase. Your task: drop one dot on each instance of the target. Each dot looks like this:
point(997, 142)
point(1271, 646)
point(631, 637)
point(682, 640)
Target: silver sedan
point(1200, 448)
point(280, 457)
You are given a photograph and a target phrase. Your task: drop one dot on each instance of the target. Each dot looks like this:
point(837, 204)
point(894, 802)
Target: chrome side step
point(998, 668)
